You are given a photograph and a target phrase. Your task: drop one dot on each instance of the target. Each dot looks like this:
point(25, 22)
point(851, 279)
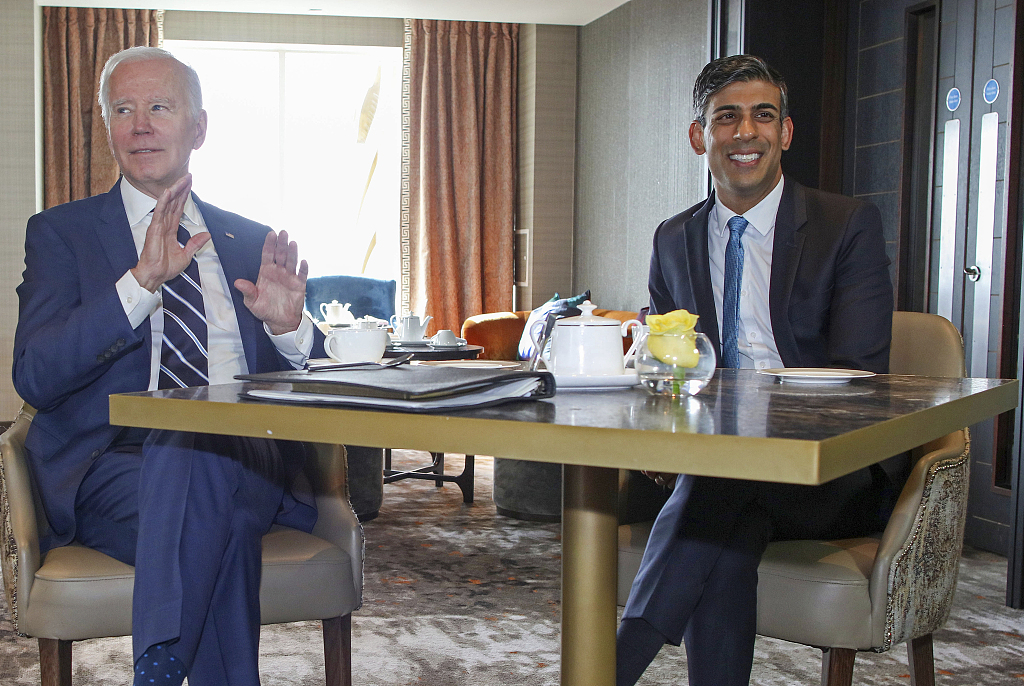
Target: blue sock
point(158, 667)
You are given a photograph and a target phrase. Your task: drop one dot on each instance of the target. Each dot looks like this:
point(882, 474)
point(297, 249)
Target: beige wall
point(282, 28)
point(547, 142)
point(20, 195)
point(634, 166)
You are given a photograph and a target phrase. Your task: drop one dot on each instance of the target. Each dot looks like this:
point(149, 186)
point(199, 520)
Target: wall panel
point(634, 166)
point(20, 187)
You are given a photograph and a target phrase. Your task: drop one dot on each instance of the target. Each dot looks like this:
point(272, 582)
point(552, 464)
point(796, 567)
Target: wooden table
point(743, 425)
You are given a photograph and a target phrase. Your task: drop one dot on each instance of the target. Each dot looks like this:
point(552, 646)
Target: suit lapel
point(696, 251)
point(234, 261)
point(786, 250)
point(114, 236)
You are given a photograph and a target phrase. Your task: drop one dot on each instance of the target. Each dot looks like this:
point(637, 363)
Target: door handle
point(973, 272)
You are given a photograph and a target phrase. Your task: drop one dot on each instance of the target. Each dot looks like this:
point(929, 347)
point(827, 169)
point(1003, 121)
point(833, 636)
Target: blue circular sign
point(991, 91)
point(953, 99)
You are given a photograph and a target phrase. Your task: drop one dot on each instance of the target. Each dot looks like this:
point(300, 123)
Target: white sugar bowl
point(587, 345)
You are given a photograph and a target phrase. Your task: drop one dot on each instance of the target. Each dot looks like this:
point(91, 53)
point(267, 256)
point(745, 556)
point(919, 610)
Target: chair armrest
point(917, 560)
point(336, 522)
point(497, 332)
point(19, 528)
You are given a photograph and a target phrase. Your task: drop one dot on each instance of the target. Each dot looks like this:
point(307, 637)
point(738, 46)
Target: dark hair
point(728, 70)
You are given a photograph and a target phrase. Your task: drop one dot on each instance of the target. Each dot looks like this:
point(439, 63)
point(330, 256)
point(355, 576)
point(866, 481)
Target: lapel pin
point(229, 235)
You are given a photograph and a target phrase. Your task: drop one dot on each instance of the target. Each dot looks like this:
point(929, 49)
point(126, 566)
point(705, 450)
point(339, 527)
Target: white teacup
point(356, 345)
point(446, 337)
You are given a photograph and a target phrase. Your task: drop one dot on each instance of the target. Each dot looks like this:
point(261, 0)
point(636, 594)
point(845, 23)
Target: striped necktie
point(731, 293)
point(183, 355)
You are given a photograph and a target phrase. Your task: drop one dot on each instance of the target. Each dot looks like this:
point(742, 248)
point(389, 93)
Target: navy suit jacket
point(830, 295)
point(830, 301)
point(74, 346)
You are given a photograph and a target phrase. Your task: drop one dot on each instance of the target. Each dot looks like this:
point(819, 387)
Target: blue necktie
point(183, 356)
point(731, 295)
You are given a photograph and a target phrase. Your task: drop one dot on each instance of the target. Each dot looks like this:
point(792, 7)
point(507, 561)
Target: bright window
point(305, 138)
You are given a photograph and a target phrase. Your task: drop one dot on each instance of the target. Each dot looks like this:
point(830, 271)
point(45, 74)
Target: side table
point(435, 470)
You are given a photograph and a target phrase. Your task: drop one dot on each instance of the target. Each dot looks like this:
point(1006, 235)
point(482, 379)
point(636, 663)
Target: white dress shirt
point(227, 357)
point(756, 342)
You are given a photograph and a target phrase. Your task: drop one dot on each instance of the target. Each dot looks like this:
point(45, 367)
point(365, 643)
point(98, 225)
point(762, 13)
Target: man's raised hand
point(279, 293)
point(162, 258)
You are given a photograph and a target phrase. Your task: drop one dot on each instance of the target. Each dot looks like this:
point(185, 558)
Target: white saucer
point(567, 381)
point(816, 375)
point(469, 364)
point(418, 341)
point(442, 346)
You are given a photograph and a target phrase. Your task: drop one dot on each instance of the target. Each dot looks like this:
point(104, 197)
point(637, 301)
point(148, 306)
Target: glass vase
point(675, 364)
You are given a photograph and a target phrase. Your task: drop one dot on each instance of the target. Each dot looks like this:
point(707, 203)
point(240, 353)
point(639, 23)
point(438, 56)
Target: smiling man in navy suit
point(103, 310)
point(781, 275)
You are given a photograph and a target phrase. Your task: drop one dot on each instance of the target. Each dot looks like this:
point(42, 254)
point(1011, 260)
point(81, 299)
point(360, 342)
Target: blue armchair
point(374, 297)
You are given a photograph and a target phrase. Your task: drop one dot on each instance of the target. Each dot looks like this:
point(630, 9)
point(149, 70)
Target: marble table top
point(743, 424)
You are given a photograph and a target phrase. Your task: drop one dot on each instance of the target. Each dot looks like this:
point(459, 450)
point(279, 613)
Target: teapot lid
point(588, 318)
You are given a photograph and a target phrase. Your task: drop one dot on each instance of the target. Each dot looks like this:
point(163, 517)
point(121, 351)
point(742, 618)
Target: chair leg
point(439, 462)
point(54, 662)
point(922, 664)
point(337, 650)
point(465, 480)
point(837, 666)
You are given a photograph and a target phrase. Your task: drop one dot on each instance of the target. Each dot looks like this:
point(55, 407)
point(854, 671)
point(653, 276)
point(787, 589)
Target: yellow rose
point(676, 322)
point(673, 348)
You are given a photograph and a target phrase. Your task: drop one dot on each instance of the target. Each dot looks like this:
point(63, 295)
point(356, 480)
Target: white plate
point(816, 374)
point(418, 341)
point(470, 364)
point(617, 381)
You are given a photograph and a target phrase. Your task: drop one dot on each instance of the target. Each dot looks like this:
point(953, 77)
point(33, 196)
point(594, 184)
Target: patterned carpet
point(457, 595)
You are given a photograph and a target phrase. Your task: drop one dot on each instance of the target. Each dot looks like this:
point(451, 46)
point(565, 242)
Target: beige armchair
point(75, 593)
point(874, 592)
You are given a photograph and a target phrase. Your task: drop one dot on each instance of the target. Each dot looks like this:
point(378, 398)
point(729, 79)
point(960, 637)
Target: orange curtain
point(77, 41)
point(459, 169)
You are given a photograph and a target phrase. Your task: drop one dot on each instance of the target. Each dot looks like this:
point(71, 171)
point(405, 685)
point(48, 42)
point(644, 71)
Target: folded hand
point(661, 478)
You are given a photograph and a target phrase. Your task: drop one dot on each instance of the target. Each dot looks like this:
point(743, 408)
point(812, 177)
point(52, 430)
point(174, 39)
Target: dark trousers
point(698, 578)
point(189, 511)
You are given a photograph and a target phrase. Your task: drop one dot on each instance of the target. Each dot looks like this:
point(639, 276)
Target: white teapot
point(409, 327)
point(337, 314)
point(587, 345)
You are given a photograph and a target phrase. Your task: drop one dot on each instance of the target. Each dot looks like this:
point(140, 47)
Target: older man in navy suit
point(781, 275)
point(147, 287)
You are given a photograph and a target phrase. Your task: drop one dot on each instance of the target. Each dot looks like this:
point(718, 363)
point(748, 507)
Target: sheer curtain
point(77, 41)
point(459, 170)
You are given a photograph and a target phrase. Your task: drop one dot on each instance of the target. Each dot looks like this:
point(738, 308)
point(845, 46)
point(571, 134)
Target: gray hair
point(141, 53)
point(729, 70)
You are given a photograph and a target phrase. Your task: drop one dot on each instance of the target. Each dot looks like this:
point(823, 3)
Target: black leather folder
point(406, 382)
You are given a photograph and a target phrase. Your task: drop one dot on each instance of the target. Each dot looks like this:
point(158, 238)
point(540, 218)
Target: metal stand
point(435, 472)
